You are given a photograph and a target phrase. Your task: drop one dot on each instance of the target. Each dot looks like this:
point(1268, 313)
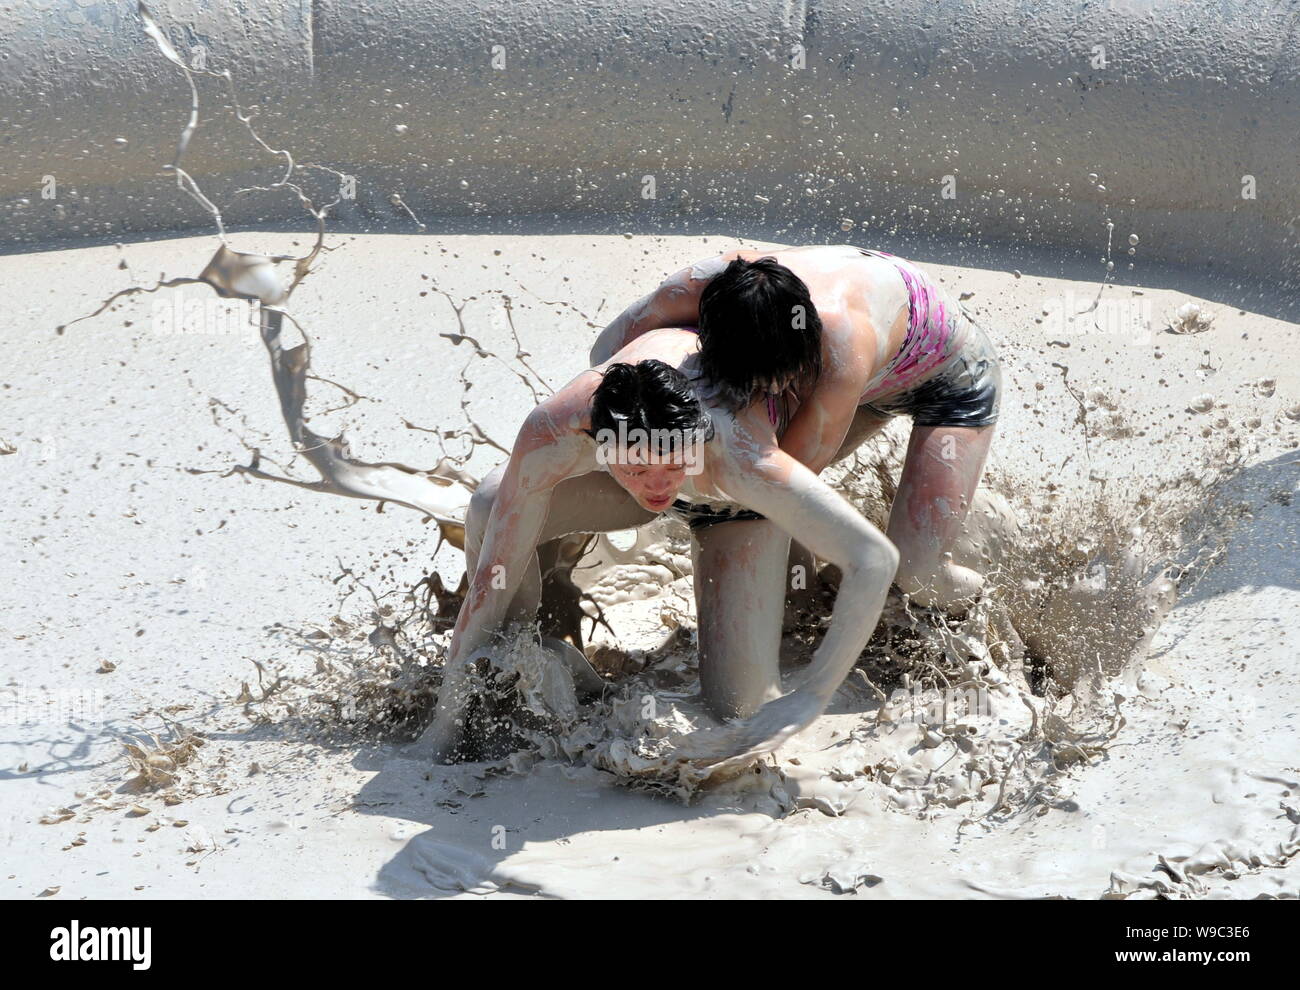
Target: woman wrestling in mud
point(847, 338)
point(726, 427)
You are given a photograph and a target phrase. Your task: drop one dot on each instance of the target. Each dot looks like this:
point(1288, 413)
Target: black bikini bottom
point(698, 516)
point(965, 391)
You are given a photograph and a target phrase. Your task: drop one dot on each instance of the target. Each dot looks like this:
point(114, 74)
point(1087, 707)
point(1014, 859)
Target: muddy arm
point(675, 303)
point(819, 426)
point(544, 454)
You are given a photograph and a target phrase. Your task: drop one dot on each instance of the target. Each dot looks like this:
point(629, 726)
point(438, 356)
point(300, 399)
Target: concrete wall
point(597, 94)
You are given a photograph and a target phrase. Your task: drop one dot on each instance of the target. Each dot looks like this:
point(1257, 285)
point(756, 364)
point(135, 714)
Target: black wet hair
point(649, 395)
point(758, 325)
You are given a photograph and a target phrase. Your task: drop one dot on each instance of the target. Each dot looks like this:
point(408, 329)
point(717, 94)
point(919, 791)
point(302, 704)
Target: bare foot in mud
point(957, 612)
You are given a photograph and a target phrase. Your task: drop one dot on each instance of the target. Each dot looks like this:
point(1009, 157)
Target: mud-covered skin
point(893, 343)
point(965, 390)
point(863, 305)
point(553, 485)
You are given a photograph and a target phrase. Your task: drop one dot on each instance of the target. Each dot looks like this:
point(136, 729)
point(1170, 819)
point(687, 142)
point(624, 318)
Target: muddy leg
point(935, 491)
point(740, 591)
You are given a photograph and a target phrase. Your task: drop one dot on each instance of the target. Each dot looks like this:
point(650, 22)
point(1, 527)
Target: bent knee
point(940, 584)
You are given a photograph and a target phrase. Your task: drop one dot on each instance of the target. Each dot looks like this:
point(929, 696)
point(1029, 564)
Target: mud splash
point(984, 709)
point(988, 711)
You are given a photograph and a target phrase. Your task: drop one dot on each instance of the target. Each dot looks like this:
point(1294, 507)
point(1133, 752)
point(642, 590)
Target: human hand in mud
point(761, 732)
point(440, 741)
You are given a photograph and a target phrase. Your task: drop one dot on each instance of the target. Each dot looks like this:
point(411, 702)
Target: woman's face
point(652, 480)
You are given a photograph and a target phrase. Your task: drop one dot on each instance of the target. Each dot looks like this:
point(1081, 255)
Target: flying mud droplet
point(1189, 318)
point(246, 276)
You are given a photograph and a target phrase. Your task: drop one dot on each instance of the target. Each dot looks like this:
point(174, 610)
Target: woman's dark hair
point(648, 396)
point(758, 325)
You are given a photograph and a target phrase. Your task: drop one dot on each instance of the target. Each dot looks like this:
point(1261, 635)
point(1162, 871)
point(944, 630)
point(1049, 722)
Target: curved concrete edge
point(1178, 120)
